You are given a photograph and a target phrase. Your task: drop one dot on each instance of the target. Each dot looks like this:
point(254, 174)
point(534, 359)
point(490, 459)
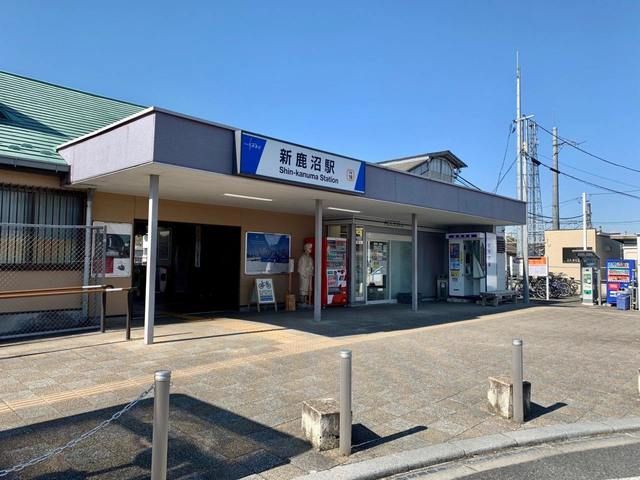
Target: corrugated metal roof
point(37, 116)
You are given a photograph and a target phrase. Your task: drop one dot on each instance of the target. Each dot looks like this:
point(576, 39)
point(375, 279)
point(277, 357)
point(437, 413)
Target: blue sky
point(374, 80)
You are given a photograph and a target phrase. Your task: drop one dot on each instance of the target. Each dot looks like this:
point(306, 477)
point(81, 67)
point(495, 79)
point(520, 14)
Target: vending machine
point(476, 263)
point(334, 270)
point(620, 275)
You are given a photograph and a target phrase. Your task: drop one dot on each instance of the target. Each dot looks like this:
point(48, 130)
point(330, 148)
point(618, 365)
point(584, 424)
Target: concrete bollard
point(321, 423)
point(345, 402)
point(500, 396)
point(160, 441)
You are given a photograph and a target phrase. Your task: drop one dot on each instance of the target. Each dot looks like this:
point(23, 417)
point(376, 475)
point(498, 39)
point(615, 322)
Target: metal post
point(519, 173)
point(129, 314)
point(414, 262)
point(345, 402)
point(521, 188)
point(317, 265)
point(516, 379)
point(160, 425)
point(103, 310)
point(86, 272)
point(547, 285)
point(352, 263)
point(584, 220)
point(555, 198)
point(525, 244)
point(152, 233)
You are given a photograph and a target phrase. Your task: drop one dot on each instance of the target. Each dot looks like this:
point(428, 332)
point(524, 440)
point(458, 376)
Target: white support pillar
point(86, 272)
point(414, 262)
point(152, 232)
point(352, 262)
point(317, 265)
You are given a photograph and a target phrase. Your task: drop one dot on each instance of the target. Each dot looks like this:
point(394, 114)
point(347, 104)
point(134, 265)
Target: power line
point(504, 157)
point(621, 222)
point(564, 163)
point(467, 182)
point(574, 145)
point(535, 160)
point(505, 174)
point(561, 218)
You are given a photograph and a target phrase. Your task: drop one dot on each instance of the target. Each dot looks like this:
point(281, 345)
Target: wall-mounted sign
point(270, 158)
point(118, 249)
point(569, 255)
point(267, 253)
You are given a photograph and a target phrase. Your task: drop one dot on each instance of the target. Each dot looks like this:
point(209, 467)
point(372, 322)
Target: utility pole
point(523, 244)
point(518, 152)
point(584, 221)
point(555, 200)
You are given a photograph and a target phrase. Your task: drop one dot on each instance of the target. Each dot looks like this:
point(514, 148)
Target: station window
point(28, 220)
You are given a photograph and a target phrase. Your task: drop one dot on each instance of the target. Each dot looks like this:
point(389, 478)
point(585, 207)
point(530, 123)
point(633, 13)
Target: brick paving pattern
point(238, 383)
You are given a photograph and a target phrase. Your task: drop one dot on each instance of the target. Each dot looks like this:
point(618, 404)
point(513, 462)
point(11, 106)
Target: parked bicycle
point(560, 286)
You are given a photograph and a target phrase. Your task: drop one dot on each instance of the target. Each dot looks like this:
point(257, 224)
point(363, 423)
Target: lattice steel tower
point(535, 220)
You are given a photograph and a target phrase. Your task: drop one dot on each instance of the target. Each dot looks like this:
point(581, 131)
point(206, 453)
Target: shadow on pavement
point(345, 321)
point(205, 441)
point(364, 438)
point(538, 410)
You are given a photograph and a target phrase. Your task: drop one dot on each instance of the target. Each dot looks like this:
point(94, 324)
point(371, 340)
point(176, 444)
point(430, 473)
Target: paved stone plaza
point(238, 383)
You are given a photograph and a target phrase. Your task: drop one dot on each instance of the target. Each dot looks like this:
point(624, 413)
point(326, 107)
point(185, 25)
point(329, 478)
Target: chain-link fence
point(50, 256)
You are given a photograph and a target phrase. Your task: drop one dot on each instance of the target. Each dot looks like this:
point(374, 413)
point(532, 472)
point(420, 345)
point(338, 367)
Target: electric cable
point(538, 162)
point(505, 174)
point(512, 129)
point(574, 145)
point(565, 164)
point(467, 182)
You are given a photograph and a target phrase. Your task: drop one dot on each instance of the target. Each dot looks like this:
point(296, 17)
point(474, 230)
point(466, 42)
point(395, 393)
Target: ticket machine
point(589, 275)
point(476, 263)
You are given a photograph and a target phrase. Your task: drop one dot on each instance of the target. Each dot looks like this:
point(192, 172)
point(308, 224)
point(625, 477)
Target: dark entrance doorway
point(198, 266)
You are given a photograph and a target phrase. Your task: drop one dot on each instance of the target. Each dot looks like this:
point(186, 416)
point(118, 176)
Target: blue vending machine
point(620, 274)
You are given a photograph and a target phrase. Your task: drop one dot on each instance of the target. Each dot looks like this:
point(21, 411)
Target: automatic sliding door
point(377, 271)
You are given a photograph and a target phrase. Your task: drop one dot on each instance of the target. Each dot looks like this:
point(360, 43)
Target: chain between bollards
point(345, 402)
point(160, 425)
point(517, 380)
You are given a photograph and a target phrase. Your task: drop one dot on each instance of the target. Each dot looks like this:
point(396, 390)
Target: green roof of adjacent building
point(37, 116)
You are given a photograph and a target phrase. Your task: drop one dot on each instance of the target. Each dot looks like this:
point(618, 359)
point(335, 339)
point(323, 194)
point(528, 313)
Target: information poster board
point(267, 253)
point(118, 248)
point(538, 267)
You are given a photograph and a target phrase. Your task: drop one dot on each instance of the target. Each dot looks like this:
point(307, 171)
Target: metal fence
point(48, 256)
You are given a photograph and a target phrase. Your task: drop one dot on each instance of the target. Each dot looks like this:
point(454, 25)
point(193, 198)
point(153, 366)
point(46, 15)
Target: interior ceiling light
point(343, 210)
point(248, 197)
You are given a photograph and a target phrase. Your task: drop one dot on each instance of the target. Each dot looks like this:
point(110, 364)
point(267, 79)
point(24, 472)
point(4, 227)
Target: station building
point(195, 211)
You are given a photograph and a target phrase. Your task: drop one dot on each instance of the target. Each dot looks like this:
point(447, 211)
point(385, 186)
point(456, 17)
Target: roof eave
point(7, 160)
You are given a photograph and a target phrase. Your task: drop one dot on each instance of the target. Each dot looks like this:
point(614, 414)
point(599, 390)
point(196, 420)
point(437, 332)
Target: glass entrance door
point(377, 271)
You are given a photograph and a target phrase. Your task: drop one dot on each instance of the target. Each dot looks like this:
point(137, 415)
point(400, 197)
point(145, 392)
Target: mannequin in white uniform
point(305, 270)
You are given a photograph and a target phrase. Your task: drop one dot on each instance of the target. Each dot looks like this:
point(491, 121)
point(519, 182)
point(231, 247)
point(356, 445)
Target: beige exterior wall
point(18, 177)
point(121, 208)
point(556, 240)
point(28, 280)
point(108, 207)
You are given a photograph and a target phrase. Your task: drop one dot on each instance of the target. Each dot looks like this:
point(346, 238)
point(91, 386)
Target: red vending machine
point(334, 270)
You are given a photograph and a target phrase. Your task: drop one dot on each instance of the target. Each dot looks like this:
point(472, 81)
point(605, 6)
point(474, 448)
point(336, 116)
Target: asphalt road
point(603, 459)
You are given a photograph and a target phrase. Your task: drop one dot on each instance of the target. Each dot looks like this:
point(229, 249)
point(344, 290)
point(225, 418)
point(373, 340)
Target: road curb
point(393, 464)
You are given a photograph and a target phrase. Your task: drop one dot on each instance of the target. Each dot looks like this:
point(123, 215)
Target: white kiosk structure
point(476, 263)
